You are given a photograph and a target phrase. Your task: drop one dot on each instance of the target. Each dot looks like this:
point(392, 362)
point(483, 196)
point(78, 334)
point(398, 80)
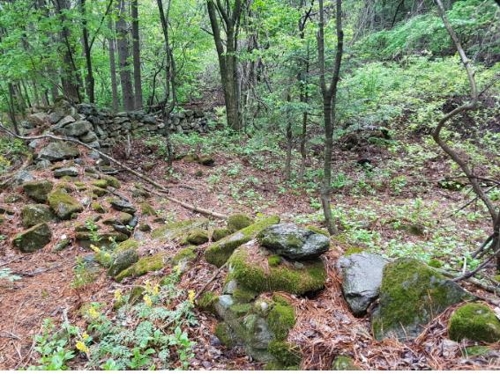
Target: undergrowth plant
point(147, 333)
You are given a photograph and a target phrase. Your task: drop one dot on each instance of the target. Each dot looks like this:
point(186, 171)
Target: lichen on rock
point(63, 204)
point(38, 190)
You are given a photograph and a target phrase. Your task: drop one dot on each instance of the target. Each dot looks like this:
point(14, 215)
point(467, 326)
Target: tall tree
point(136, 53)
point(123, 57)
point(228, 16)
point(329, 94)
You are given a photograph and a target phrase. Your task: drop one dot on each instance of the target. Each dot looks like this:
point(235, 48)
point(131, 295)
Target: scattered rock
point(178, 230)
point(237, 222)
point(38, 190)
point(63, 204)
point(123, 206)
point(122, 261)
point(362, 276)
point(33, 214)
point(411, 295)
point(67, 171)
point(33, 238)
point(198, 237)
point(218, 253)
point(142, 266)
point(295, 243)
point(58, 151)
point(476, 322)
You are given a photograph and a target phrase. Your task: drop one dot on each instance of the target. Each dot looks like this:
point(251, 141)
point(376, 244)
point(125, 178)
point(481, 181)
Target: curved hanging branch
point(473, 179)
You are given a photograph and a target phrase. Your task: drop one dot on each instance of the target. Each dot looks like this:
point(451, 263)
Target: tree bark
point(123, 58)
point(136, 53)
point(112, 70)
point(89, 78)
point(228, 60)
point(329, 93)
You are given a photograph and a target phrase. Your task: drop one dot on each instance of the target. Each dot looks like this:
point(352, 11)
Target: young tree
point(123, 57)
point(136, 53)
point(329, 94)
point(228, 16)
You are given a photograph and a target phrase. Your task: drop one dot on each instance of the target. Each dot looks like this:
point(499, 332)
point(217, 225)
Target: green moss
point(237, 222)
point(247, 268)
point(281, 319)
point(148, 210)
point(99, 191)
point(207, 301)
point(144, 227)
point(411, 294)
point(219, 234)
point(96, 207)
point(143, 266)
point(274, 260)
point(197, 237)
point(285, 353)
point(353, 250)
point(80, 186)
point(126, 245)
point(177, 230)
point(244, 295)
point(185, 254)
point(435, 263)
point(474, 321)
point(344, 363)
point(218, 253)
point(111, 181)
point(317, 230)
point(100, 183)
point(225, 335)
point(240, 310)
point(476, 350)
point(64, 205)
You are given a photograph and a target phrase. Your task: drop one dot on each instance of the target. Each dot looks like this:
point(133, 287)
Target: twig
point(11, 261)
point(36, 272)
point(210, 281)
point(9, 335)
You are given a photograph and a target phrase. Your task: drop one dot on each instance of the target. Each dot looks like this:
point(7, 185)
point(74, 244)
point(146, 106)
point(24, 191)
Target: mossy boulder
point(178, 230)
point(198, 237)
point(184, 255)
point(287, 355)
point(207, 302)
point(219, 252)
point(33, 238)
point(249, 266)
point(411, 295)
point(100, 183)
point(148, 210)
point(143, 266)
point(344, 363)
point(33, 214)
point(476, 322)
point(293, 242)
point(281, 317)
point(38, 190)
point(239, 221)
point(122, 261)
point(63, 204)
point(122, 206)
point(220, 233)
point(122, 218)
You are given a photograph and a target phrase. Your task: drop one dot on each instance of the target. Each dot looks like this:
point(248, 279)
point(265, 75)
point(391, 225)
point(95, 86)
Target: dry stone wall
point(100, 128)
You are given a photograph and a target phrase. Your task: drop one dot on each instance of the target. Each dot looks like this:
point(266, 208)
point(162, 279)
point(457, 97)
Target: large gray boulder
point(58, 151)
point(33, 238)
point(77, 128)
point(293, 242)
point(411, 295)
point(362, 276)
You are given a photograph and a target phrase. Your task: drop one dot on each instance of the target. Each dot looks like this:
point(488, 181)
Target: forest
point(249, 184)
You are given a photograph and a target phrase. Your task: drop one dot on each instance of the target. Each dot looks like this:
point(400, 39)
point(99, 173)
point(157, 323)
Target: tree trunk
point(89, 78)
point(136, 53)
point(228, 61)
point(112, 70)
point(123, 58)
point(329, 93)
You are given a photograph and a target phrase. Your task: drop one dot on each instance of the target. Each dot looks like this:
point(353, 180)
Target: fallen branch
point(210, 281)
point(161, 188)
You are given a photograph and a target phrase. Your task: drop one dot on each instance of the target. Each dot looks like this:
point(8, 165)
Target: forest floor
point(325, 327)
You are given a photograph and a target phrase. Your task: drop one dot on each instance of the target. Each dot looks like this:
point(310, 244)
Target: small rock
point(122, 261)
point(34, 238)
point(33, 214)
point(38, 190)
point(67, 171)
point(123, 206)
point(58, 151)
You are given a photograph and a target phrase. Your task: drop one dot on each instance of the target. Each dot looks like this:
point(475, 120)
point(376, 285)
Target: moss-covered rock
point(476, 322)
point(184, 255)
point(286, 354)
point(178, 230)
point(63, 204)
point(99, 192)
point(38, 190)
point(198, 237)
point(239, 221)
point(148, 210)
point(112, 181)
point(344, 363)
point(33, 214)
point(220, 233)
point(219, 252)
point(33, 238)
point(121, 218)
point(126, 245)
point(122, 261)
point(224, 333)
point(207, 301)
point(281, 317)
point(98, 208)
point(411, 295)
point(143, 266)
point(249, 266)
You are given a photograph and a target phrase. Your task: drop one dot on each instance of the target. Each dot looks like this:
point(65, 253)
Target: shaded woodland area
point(375, 124)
